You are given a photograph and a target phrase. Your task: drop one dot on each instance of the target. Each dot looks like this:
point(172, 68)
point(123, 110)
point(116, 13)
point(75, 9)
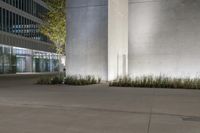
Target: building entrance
point(21, 64)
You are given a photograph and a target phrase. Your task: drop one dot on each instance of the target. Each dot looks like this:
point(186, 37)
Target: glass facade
point(29, 6)
point(23, 20)
point(45, 62)
point(16, 24)
point(7, 60)
point(20, 60)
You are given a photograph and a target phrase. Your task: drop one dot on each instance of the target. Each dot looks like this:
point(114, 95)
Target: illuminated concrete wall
point(87, 25)
point(164, 37)
point(117, 38)
point(97, 40)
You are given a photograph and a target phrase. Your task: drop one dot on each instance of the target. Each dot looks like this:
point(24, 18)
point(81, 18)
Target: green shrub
point(157, 82)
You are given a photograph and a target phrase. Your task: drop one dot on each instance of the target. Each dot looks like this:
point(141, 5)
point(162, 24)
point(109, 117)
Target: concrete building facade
point(23, 48)
point(112, 38)
point(164, 37)
point(87, 37)
point(97, 38)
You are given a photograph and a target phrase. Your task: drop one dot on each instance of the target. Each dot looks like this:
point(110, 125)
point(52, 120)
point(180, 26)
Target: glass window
point(1, 18)
point(4, 20)
point(1, 59)
point(16, 24)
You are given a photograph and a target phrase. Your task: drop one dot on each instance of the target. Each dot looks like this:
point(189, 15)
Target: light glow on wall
point(164, 38)
point(143, 25)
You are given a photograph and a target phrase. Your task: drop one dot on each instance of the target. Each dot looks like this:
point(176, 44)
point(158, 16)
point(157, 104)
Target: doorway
point(21, 64)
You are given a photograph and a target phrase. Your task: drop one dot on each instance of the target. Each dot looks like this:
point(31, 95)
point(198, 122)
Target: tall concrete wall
point(97, 39)
point(164, 37)
point(87, 47)
point(117, 38)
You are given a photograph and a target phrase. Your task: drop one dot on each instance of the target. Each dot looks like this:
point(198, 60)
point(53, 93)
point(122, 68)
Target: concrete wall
point(164, 37)
point(117, 38)
point(87, 49)
point(97, 38)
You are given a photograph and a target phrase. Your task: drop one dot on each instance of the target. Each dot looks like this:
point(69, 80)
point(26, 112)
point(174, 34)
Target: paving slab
point(45, 120)
point(173, 124)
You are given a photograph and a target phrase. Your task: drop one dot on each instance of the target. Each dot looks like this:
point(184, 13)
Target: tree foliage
point(54, 26)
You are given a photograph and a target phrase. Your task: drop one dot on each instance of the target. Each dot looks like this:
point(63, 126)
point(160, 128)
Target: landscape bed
point(157, 82)
point(68, 80)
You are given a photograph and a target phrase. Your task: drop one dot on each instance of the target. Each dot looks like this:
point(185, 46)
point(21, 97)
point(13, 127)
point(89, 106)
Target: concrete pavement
point(29, 108)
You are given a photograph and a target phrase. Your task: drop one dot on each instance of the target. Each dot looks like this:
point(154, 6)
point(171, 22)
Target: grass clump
point(53, 80)
point(79, 80)
point(69, 80)
point(43, 80)
point(56, 80)
point(157, 82)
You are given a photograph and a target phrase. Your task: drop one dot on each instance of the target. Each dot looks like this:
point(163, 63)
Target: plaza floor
point(29, 108)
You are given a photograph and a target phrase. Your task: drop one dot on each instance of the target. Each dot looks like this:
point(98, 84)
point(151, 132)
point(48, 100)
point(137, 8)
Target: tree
point(54, 25)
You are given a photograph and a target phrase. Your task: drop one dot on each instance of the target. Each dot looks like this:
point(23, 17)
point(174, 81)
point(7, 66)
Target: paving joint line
point(69, 108)
point(151, 111)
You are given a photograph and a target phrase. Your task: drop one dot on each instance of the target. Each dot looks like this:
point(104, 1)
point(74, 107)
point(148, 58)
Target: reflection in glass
point(19, 60)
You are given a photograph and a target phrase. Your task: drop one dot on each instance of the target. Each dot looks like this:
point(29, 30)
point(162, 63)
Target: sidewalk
point(29, 108)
